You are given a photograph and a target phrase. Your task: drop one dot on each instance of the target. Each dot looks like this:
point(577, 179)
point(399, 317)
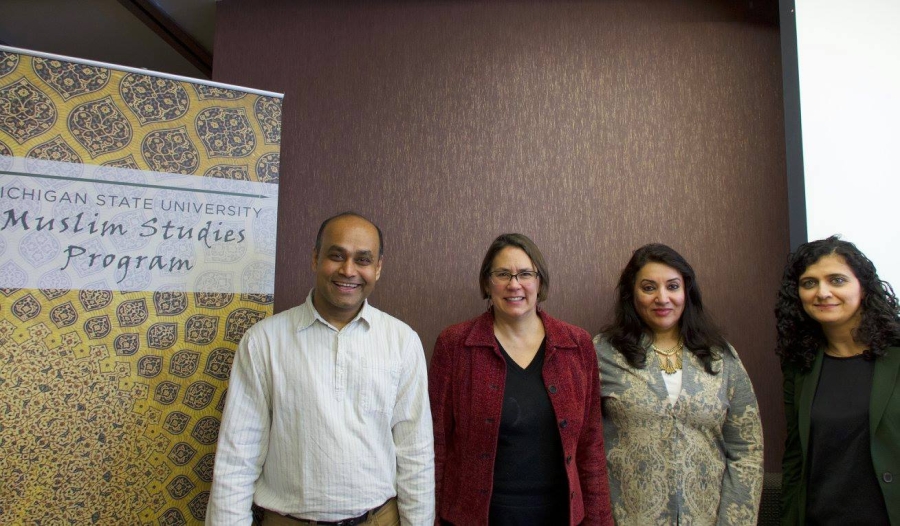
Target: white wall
point(849, 65)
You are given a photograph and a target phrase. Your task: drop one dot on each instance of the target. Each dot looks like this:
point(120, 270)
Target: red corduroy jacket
point(465, 383)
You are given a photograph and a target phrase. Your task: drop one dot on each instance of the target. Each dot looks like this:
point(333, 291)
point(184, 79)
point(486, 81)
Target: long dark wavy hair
point(700, 334)
point(800, 337)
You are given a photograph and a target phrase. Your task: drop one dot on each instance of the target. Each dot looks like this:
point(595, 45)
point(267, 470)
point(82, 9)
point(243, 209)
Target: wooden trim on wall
point(169, 30)
point(793, 133)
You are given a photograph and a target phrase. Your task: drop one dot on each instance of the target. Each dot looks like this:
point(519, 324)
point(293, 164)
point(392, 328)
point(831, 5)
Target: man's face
point(347, 266)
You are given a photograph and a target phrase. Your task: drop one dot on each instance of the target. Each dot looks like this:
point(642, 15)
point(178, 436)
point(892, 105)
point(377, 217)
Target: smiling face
point(513, 300)
point(347, 266)
point(830, 292)
point(659, 297)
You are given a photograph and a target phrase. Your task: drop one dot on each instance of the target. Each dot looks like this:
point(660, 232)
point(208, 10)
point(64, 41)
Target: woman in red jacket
point(515, 397)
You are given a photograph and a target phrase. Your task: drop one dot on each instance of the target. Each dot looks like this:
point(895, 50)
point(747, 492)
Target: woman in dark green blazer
point(839, 343)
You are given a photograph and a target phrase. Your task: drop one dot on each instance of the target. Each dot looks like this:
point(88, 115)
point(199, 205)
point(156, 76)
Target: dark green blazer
point(884, 427)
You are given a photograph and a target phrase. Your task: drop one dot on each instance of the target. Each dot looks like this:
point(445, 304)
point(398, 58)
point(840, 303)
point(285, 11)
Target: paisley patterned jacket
point(697, 462)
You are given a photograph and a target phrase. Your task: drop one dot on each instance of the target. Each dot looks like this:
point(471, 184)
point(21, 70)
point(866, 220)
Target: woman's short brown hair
point(523, 242)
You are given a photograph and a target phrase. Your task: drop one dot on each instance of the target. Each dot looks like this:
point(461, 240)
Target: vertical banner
point(137, 245)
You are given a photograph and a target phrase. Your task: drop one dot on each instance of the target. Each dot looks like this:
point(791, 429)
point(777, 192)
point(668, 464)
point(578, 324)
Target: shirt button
point(552, 389)
point(485, 456)
point(489, 420)
point(887, 477)
point(572, 496)
point(563, 423)
point(568, 459)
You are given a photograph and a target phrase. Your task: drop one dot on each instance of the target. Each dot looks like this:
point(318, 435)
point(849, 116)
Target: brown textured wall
point(593, 127)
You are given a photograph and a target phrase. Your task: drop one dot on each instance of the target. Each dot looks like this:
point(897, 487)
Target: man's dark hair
point(349, 214)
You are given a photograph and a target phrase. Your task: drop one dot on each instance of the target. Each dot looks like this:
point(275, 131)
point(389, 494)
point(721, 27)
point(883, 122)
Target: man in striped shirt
point(327, 418)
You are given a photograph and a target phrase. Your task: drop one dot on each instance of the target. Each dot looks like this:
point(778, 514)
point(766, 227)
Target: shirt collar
point(309, 314)
point(482, 333)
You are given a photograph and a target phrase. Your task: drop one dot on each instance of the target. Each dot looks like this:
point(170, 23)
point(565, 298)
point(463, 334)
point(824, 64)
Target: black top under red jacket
point(465, 384)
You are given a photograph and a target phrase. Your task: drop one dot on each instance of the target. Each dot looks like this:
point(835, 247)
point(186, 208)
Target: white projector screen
point(848, 57)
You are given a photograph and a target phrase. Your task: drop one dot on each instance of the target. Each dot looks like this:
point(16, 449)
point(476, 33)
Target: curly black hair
point(800, 337)
point(700, 335)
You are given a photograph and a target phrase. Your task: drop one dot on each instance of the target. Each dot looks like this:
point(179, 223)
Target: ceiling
point(170, 36)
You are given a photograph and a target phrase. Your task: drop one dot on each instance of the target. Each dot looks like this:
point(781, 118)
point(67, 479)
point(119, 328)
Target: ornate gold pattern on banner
point(66, 162)
point(267, 168)
point(205, 92)
point(8, 62)
point(170, 151)
point(110, 401)
point(225, 132)
point(69, 79)
point(25, 111)
point(4, 150)
point(225, 171)
point(268, 113)
point(100, 127)
point(125, 162)
point(153, 99)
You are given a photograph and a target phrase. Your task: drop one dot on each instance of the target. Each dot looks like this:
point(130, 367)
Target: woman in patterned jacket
point(681, 425)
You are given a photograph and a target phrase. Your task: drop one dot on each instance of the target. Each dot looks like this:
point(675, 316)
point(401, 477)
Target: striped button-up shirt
point(325, 424)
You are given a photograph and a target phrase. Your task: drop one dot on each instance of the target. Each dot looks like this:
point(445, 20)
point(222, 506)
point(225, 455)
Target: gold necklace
point(669, 359)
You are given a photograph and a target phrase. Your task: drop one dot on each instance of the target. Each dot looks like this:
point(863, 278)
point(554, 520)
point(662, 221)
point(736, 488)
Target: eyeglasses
point(502, 277)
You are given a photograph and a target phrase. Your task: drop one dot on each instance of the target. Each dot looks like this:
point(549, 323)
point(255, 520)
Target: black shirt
point(843, 488)
point(530, 481)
